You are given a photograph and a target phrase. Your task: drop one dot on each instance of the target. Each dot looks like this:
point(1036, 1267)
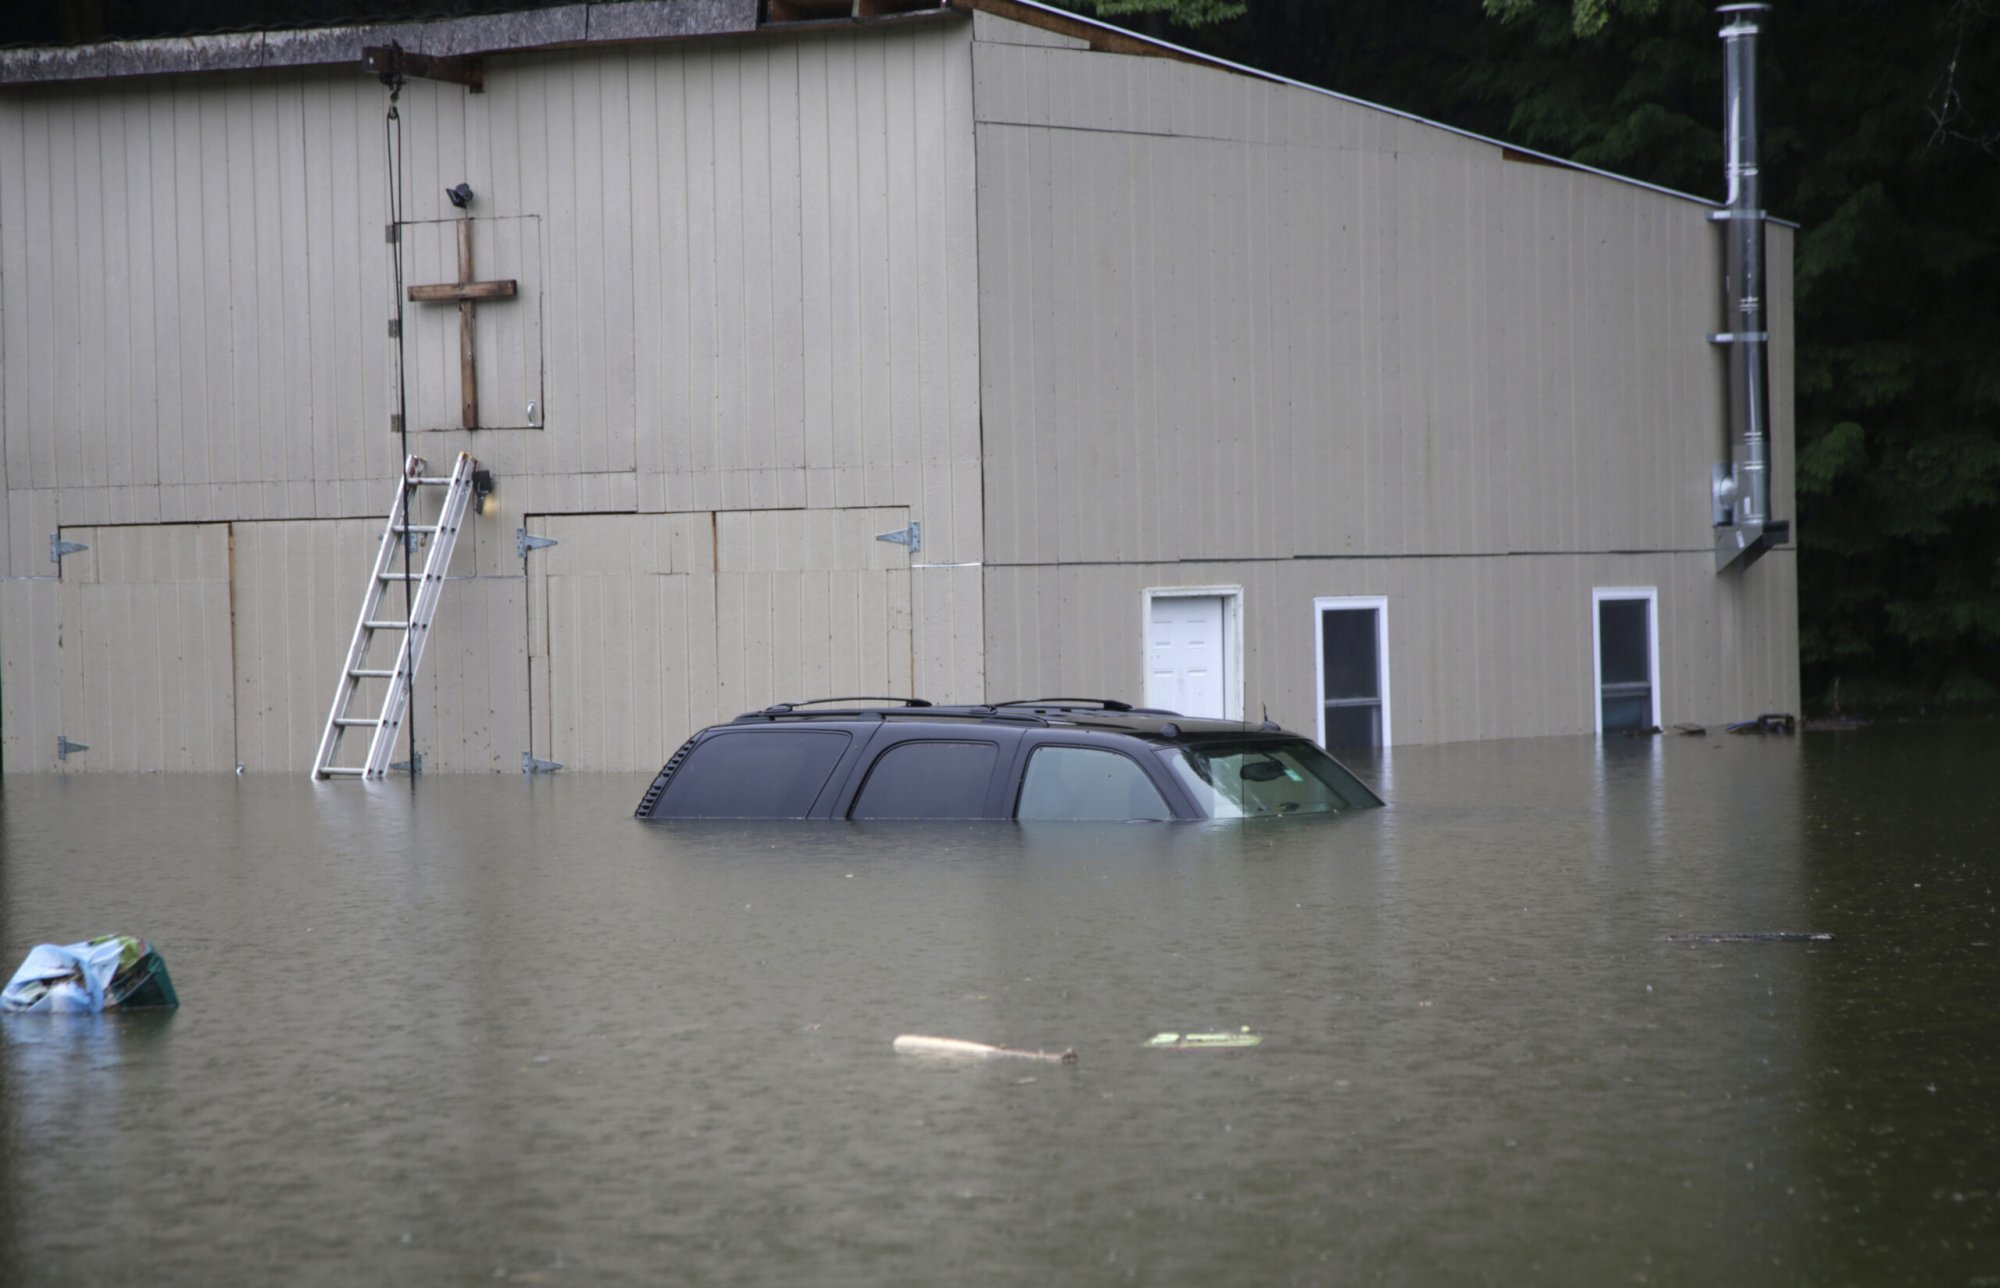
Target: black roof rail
point(785, 708)
point(1101, 704)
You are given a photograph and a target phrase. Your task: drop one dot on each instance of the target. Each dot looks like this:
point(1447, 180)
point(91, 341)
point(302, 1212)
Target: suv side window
point(1085, 784)
point(928, 780)
point(753, 773)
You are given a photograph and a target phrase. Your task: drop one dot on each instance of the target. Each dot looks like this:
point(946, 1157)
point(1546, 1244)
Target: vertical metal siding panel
point(30, 676)
point(956, 188)
point(67, 139)
point(650, 231)
point(681, 334)
point(1517, 376)
point(614, 448)
point(1783, 350)
point(783, 250)
point(102, 333)
point(41, 378)
point(754, 351)
point(903, 237)
point(342, 298)
point(655, 221)
point(1041, 423)
point(1003, 348)
point(704, 284)
point(874, 327)
point(1374, 322)
point(240, 259)
point(1062, 325)
point(819, 304)
point(844, 238)
point(575, 407)
point(1152, 495)
point(320, 296)
point(582, 107)
point(288, 396)
point(212, 449)
point(15, 310)
point(73, 642)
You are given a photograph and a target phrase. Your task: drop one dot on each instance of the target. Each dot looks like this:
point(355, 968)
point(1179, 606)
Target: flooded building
point(977, 352)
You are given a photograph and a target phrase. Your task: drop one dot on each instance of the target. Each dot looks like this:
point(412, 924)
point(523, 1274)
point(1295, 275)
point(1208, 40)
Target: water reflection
point(496, 1028)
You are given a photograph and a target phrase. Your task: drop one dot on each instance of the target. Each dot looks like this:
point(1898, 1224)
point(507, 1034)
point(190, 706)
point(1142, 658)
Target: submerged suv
point(1045, 760)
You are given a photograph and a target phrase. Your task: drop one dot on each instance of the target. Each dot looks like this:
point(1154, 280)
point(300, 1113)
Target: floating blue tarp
point(111, 972)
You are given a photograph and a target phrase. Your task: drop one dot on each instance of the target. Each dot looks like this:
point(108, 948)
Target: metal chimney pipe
point(1742, 485)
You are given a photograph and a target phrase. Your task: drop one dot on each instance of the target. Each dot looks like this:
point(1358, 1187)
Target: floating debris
point(918, 1044)
point(1754, 937)
point(1204, 1041)
point(1770, 722)
point(110, 972)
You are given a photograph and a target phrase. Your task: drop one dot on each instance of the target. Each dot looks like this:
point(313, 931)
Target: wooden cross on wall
point(465, 292)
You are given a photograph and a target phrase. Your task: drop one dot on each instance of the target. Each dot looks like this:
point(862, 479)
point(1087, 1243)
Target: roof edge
point(568, 26)
point(1048, 16)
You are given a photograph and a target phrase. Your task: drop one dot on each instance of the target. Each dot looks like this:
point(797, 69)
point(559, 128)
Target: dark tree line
point(1882, 140)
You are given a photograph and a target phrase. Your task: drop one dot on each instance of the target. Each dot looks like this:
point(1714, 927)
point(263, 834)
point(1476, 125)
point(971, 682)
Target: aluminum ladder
point(361, 671)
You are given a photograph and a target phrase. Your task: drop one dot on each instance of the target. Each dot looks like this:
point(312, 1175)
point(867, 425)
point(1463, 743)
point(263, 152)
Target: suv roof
point(1155, 724)
point(1040, 759)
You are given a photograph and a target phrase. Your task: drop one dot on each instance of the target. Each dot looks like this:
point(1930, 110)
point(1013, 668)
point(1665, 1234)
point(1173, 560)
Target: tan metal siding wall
point(1359, 339)
point(197, 268)
point(30, 688)
point(758, 272)
point(146, 653)
point(1478, 648)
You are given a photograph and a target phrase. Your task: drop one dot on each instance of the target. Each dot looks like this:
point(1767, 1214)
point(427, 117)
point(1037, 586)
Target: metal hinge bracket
point(392, 233)
point(529, 765)
point(523, 543)
point(413, 766)
point(911, 536)
point(58, 548)
point(64, 747)
point(395, 328)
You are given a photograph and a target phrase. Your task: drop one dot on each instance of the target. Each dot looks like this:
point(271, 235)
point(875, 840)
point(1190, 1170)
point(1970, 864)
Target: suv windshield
point(1257, 777)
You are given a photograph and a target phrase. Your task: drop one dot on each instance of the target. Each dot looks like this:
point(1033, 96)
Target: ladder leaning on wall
point(362, 673)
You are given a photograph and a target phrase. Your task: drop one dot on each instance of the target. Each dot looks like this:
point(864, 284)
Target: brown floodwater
point(493, 1029)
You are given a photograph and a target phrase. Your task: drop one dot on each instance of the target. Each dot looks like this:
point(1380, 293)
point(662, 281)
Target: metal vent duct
point(1744, 529)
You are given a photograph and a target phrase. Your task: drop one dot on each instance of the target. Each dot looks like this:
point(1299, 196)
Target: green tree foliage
point(1181, 13)
point(1882, 141)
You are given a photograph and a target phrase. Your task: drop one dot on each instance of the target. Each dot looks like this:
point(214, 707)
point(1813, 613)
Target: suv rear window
point(928, 780)
point(761, 774)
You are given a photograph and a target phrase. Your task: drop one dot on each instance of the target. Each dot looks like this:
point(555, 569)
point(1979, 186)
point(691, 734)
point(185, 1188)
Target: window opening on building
point(1353, 637)
point(1627, 654)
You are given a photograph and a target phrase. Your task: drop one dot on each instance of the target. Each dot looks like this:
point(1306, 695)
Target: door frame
point(1232, 637)
point(1598, 595)
point(1324, 604)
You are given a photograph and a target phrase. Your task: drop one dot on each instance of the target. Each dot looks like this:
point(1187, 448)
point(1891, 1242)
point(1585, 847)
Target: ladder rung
point(419, 608)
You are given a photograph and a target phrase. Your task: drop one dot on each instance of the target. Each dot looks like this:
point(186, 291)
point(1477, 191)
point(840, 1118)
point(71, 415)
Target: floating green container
point(141, 978)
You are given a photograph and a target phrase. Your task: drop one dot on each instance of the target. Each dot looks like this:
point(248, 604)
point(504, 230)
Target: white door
point(1185, 662)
